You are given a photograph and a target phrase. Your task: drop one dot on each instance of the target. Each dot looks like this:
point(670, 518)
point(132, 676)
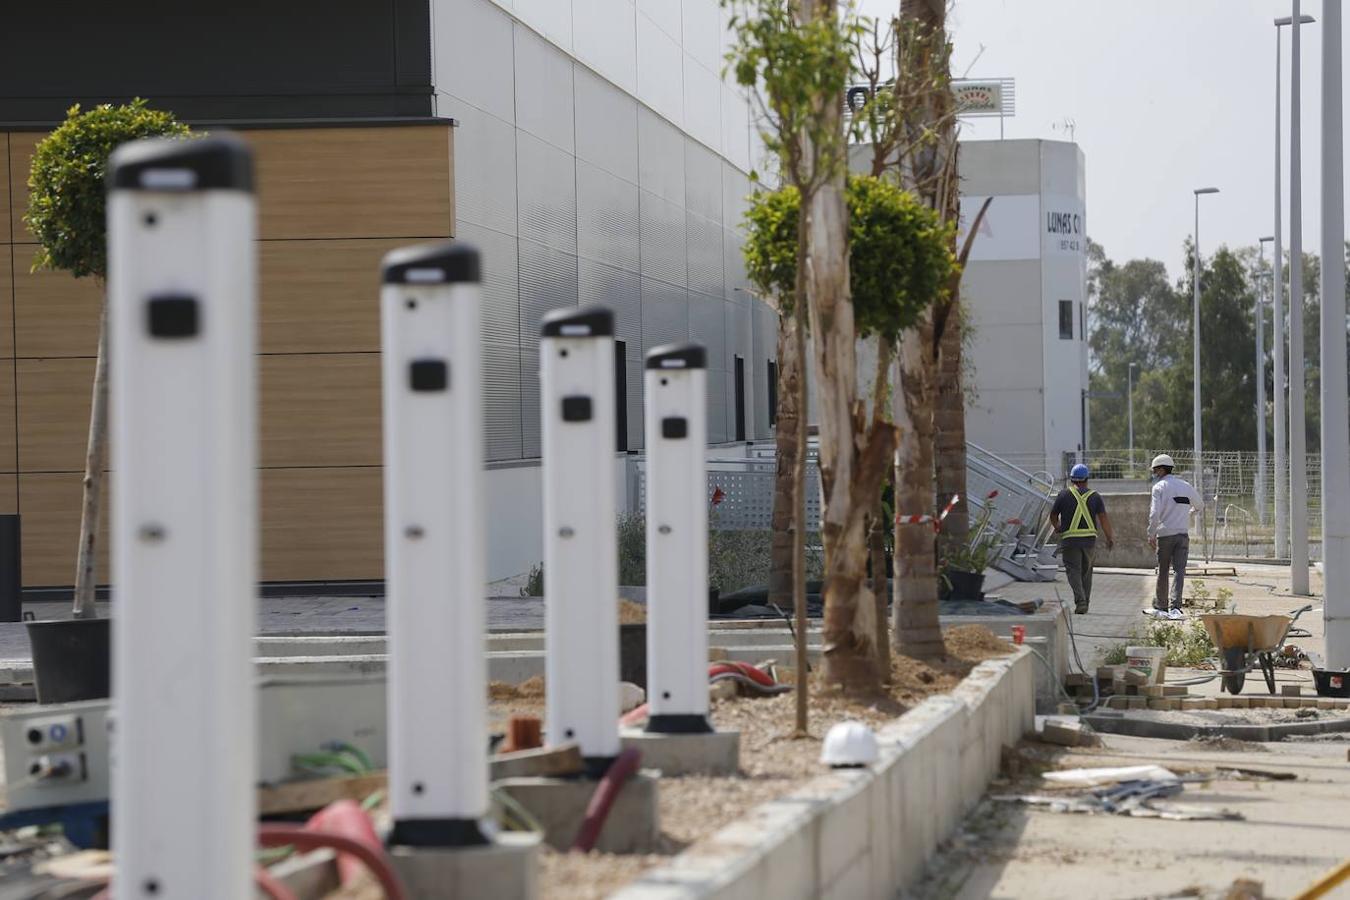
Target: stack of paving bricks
point(1123, 689)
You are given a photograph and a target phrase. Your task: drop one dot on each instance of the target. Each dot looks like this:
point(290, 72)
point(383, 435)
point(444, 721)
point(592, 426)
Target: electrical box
point(55, 755)
point(298, 714)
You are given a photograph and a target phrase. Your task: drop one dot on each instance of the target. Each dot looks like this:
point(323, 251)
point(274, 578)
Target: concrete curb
point(1178, 731)
point(870, 832)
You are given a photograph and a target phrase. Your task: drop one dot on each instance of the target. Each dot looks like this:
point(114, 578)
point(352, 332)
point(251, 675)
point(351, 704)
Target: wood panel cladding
point(332, 202)
point(50, 507)
point(358, 182)
point(324, 524)
point(354, 182)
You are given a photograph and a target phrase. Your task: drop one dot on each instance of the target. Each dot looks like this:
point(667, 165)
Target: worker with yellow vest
point(1076, 516)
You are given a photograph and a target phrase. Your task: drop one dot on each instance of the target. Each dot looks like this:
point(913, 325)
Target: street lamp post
point(1198, 446)
point(1261, 389)
point(1129, 406)
point(1281, 414)
point(1298, 456)
point(1335, 427)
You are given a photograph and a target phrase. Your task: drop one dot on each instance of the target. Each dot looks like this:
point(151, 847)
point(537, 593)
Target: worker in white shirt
point(1173, 503)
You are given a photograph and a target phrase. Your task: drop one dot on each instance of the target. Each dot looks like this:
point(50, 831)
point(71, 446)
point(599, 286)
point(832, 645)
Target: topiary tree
point(66, 213)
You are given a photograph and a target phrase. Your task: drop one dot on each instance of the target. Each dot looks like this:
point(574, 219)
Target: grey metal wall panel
point(660, 156)
point(543, 90)
point(763, 347)
point(485, 170)
point(546, 180)
point(635, 400)
point(738, 285)
point(552, 17)
point(720, 422)
point(501, 340)
point(704, 240)
point(548, 280)
point(702, 27)
point(707, 326)
point(474, 51)
point(702, 181)
point(662, 232)
point(665, 314)
point(603, 36)
point(618, 289)
point(607, 218)
point(658, 56)
point(702, 102)
point(606, 125)
point(739, 344)
point(736, 190)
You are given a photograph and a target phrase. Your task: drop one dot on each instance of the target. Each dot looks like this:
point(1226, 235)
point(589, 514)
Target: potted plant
point(66, 214)
point(963, 562)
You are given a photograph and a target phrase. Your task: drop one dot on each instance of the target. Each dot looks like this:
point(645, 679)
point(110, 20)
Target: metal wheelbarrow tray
point(1241, 639)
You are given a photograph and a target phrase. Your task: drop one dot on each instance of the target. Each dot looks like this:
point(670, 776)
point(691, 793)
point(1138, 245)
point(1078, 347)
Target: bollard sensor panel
point(581, 617)
point(430, 307)
point(182, 291)
point(677, 539)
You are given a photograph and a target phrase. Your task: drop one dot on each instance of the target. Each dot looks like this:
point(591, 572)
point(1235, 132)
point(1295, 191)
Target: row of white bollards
point(182, 292)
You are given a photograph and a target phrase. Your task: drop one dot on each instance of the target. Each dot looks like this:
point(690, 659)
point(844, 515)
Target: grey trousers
point(1173, 551)
point(1078, 568)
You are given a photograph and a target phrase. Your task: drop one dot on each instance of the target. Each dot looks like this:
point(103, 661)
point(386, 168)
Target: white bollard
point(182, 292)
point(581, 618)
point(434, 546)
point(677, 539)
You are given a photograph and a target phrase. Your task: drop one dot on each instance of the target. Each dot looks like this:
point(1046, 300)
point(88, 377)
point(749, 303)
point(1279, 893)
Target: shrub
point(66, 203)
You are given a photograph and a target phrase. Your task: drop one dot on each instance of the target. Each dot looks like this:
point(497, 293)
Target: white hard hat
point(849, 744)
point(1162, 459)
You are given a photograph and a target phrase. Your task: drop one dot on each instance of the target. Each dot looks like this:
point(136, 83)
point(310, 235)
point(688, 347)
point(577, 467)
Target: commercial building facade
point(588, 147)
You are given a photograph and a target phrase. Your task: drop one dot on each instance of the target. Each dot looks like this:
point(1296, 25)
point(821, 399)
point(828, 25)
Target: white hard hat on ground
point(1162, 459)
point(849, 744)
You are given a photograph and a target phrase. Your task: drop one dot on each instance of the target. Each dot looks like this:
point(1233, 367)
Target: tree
point(66, 213)
point(929, 169)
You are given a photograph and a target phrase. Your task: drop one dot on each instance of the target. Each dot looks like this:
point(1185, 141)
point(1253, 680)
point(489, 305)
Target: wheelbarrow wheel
point(1234, 661)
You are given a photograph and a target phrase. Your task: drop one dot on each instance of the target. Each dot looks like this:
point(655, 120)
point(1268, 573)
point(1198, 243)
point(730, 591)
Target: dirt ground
point(773, 761)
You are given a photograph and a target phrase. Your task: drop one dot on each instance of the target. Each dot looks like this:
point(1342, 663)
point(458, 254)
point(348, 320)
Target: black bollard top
point(442, 262)
point(578, 321)
point(677, 356)
point(216, 162)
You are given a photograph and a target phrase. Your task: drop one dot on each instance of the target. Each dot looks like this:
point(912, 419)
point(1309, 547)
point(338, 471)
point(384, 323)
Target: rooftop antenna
point(1068, 124)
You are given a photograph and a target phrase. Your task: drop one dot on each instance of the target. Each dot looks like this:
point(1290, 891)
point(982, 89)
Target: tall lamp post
point(1129, 406)
point(1261, 387)
point(1195, 358)
point(1298, 455)
point(1281, 413)
point(1335, 427)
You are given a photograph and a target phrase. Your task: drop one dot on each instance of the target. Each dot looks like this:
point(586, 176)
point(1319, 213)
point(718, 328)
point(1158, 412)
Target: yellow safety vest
point(1081, 525)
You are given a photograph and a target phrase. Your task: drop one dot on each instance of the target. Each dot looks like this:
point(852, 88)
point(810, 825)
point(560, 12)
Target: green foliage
point(790, 64)
point(631, 530)
point(66, 210)
point(900, 257)
point(1187, 643)
point(1115, 656)
point(534, 582)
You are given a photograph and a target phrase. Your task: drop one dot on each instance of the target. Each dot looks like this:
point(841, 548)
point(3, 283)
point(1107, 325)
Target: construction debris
point(1068, 733)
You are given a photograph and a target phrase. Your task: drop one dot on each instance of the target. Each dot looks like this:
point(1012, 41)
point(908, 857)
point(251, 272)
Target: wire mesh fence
point(1239, 488)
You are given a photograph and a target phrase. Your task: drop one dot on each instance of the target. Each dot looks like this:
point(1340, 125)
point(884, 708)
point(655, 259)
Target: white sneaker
point(1175, 614)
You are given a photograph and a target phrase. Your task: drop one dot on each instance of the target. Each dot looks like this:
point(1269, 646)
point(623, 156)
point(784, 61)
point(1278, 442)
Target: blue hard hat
point(1079, 473)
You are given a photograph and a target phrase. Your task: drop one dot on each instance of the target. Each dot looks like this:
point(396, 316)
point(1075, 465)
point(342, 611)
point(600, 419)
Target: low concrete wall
point(866, 832)
point(1129, 521)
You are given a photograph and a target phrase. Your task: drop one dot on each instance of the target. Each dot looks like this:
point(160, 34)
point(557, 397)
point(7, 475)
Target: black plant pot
point(964, 585)
point(633, 654)
point(71, 659)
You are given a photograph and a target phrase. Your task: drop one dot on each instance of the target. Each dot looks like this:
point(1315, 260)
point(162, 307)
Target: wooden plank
point(354, 182)
point(316, 793)
point(6, 230)
point(320, 296)
point(320, 410)
point(55, 314)
point(21, 145)
point(564, 759)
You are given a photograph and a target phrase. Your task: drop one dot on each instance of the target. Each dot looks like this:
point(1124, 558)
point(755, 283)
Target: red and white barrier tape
point(936, 520)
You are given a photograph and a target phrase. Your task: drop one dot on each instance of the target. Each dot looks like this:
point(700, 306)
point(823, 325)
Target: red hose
point(346, 818)
point(276, 834)
point(625, 765)
point(733, 667)
point(635, 715)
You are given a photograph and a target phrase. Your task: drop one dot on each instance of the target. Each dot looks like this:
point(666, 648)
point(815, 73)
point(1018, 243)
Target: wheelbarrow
point(1245, 642)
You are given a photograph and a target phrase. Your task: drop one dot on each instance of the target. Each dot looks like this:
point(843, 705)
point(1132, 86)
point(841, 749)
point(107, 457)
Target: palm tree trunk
point(782, 539)
point(949, 428)
point(799, 504)
point(95, 453)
